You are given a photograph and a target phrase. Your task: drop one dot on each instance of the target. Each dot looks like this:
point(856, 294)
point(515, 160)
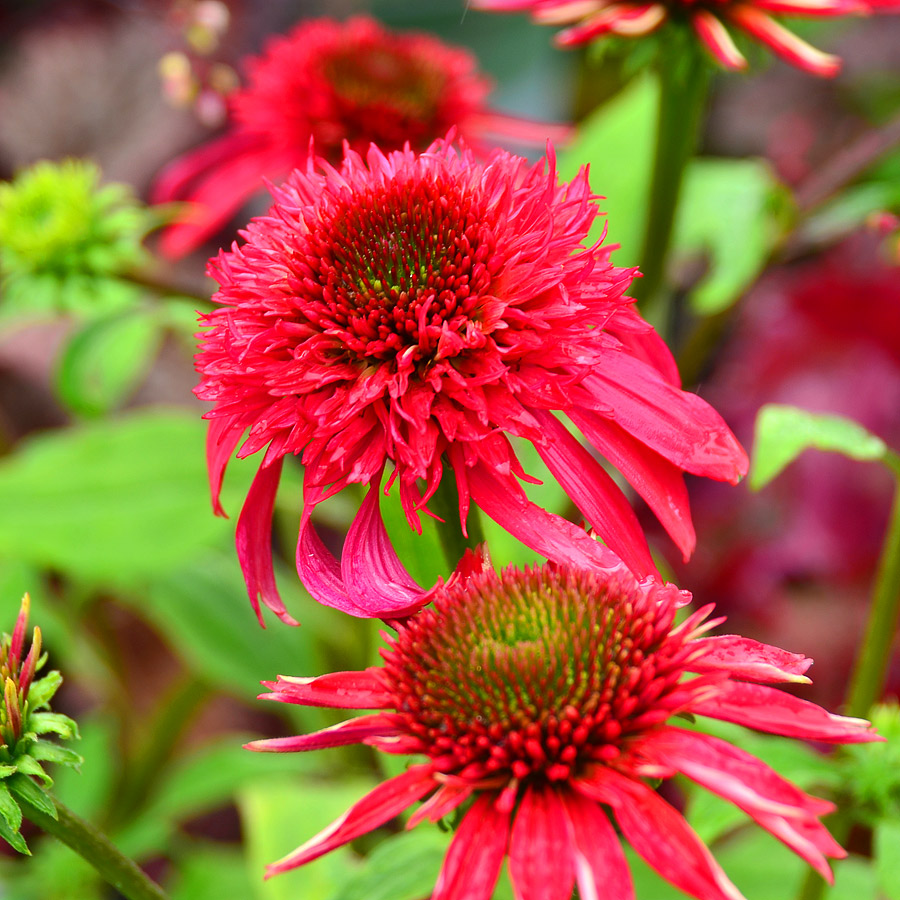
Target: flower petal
point(222, 438)
point(253, 538)
point(541, 863)
point(476, 853)
point(658, 481)
point(745, 658)
point(502, 498)
point(594, 493)
point(320, 572)
point(660, 835)
point(600, 865)
point(377, 807)
point(353, 731)
point(338, 690)
point(777, 712)
point(713, 33)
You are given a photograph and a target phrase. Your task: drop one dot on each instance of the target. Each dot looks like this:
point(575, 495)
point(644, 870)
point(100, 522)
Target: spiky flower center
point(534, 673)
point(400, 271)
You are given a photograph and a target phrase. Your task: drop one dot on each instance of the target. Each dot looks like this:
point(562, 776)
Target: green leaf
point(886, 841)
point(617, 141)
point(6, 771)
point(9, 809)
point(13, 838)
point(104, 361)
point(54, 753)
point(784, 432)
point(279, 815)
point(26, 765)
point(25, 789)
point(41, 691)
point(57, 723)
point(402, 867)
point(114, 502)
point(730, 211)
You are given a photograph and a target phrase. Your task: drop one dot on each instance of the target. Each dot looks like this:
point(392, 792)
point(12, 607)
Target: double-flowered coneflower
point(329, 82)
point(417, 310)
point(587, 20)
point(543, 702)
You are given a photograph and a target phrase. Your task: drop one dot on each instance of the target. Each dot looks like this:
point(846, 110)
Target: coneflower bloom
point(417, 309)
point(331, 82)
point(591, 19)
point(543, 700)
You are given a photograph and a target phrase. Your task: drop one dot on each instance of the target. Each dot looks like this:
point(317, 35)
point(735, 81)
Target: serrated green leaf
point(9, 809)
point(13, 838)
point(57, 723)
point(104, 361)
point(41, 691)
point(886, 845)
point(26, 765)
point(784, 432)
point(47, 752)
point(402, 867)
point(6, 771)
point(25, 789)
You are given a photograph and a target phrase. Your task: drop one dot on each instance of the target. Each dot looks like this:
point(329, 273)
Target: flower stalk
point(95, 847)
point(683, 87)
point(445, 503)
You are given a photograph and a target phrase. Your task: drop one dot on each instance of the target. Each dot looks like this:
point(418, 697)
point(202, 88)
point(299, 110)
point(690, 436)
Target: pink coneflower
point(331, 81)
point(590, 19)
point(418, 309)
point(541, 701)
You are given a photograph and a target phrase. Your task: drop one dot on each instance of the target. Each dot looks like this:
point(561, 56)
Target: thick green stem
point(95, 847)
point(445, 503)
point(867, 683)
point(683, 84)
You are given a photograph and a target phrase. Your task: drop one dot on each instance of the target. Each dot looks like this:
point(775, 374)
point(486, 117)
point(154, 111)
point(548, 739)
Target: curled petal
point(353, 731)
point(745, 658)
point(713, 33)
point(541, 862)
point(377, 807)
point(769, 709)
point(476, 853)
point(253, 539)
point(339, 690)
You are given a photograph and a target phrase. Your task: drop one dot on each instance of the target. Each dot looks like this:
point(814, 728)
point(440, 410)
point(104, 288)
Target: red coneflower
point(590, 19)
point(542, 701)
point(331, 82)
point(418, 309)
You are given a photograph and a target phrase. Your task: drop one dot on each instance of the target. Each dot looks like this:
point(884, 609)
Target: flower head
point(417, 309)
point(591, 19)
point(64, 238)
point(331, 82)
point(24, 716)
point(542, 698)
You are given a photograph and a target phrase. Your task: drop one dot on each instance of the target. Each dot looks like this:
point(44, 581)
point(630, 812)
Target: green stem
point(683, 84)
point(445, 503)
point(95, 847)
point(164, 288)
point(873, 656)
point(867, 682)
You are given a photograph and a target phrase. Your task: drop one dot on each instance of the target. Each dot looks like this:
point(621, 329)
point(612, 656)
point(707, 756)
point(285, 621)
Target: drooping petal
point(338, 690)
point(658, 481)
point(594, 493)
point(808, 838)
point(353, 731)
point(713, 33)
point(618, 18)
point(253, 538)
point(373, 575)
point(476, 853)
point(378, 806)
point(541, 863)
point(745, 658)
point(502, 498)
point(676, 424)
point(222, 438)
point(660, 835)
point(784, 43)
point(600, 865)
point(769, 709)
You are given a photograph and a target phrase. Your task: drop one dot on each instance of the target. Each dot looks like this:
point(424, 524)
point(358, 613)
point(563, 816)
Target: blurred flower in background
point(418, 309)
point(545, 695)
point(327, 82)
point(591, 19)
